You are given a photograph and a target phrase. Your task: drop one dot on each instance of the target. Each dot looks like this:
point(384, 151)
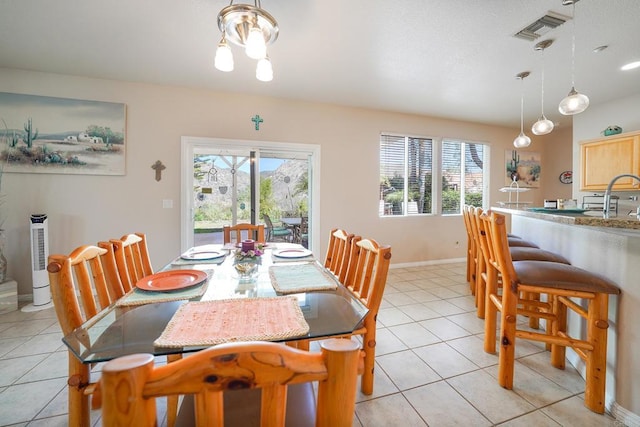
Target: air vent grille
point(541, 26)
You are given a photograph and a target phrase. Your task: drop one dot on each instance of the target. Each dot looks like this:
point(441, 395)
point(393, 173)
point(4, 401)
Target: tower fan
point(39, 255)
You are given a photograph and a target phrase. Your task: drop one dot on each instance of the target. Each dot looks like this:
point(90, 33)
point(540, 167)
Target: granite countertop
point(588, 218)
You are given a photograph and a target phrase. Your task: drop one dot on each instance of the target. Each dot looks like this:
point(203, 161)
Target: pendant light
point(522, 140)
point(543, 126)
point(575, 102)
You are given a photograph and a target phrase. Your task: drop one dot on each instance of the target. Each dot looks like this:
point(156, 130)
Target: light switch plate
point(167, 203)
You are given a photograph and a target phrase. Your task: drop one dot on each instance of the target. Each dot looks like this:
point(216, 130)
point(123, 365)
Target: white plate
point(292, 253)
point(202, 255)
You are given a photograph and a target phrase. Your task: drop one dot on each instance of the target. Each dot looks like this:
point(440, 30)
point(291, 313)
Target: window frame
point(437, 144)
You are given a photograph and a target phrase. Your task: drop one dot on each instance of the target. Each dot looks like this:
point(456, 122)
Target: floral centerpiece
point(247, 259)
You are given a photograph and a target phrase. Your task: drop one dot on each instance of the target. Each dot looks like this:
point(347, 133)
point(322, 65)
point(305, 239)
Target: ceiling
point(453, 59)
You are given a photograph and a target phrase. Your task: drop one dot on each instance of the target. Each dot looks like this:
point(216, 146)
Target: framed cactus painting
point(522, 167)
point(42, 134)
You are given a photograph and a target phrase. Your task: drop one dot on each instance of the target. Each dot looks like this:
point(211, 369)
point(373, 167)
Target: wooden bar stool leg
point(506, 358)
point(480, 288)
point(490, 311)
point(597, 325)
point(558, 325)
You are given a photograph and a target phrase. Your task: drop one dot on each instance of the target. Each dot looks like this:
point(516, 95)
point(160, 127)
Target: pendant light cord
point(542, 91)
point(573, 48)
point(522, 105)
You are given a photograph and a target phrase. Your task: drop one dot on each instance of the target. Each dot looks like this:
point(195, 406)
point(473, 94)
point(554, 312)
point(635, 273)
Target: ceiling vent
point(541, 26)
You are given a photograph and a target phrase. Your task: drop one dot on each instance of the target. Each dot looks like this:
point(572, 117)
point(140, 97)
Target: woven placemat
point(214, 322)
point(289, 278)
point(139, 297)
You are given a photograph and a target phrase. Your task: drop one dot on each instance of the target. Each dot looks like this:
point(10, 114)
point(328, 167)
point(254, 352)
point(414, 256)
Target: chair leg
point(480, 288)
point(558, 326)
point(369, 347)
point(78, 402)
point(506, 358)
point(597, 325)
point(172, 401)
point(490, 311)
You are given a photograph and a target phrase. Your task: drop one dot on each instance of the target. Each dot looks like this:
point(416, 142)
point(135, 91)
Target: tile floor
point(431, 367)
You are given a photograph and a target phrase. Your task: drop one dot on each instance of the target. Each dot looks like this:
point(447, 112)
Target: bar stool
point(518, 253)
point(561, 284)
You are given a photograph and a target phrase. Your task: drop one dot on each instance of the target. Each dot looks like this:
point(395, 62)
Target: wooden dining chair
point(561, 284)
point(132, 258)
point(82, 285)
point(239, 232)
point(366, 279)
point(339, 253)
point(131, 383)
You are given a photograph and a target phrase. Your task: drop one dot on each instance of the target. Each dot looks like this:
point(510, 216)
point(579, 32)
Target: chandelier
point(251, 27)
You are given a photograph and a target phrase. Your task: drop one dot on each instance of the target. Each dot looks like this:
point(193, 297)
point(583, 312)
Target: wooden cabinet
point(602, 159)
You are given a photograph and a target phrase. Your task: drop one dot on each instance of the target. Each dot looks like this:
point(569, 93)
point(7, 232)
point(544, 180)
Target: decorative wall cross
point(257, 120)
point(158, 167)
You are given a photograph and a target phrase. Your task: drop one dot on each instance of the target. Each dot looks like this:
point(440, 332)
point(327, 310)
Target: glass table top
point(122, 330)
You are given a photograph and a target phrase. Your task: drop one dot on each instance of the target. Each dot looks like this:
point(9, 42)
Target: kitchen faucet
point(607, 194)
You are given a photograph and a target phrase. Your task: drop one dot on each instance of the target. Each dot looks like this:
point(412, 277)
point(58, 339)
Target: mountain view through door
point(222, 195)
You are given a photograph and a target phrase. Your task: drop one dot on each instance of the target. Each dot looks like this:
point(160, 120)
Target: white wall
point(84, 209)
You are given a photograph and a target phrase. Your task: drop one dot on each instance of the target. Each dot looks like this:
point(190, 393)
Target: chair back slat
point(117, 288)
point(339, 253)
point(132, 258)
point(239, 232)
point(367, 275)
point(208, 373)
point(79, 287)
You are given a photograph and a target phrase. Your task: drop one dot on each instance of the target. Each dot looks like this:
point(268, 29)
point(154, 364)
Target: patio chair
point(276, 233)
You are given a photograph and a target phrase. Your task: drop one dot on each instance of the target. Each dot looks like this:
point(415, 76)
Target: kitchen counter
point(588, 218)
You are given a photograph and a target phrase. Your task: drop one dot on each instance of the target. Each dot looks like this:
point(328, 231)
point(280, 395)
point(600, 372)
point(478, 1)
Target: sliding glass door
point(265, 183)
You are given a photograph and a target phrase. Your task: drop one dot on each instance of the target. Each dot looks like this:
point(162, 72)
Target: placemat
point(242, 319)
point(140, 297)
point(290, 278)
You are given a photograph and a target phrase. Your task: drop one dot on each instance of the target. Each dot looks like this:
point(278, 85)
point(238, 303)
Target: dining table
point(164, 316)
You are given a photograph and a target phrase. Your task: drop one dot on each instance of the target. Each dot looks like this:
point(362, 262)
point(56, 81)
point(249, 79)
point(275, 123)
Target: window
point(407, 169)
point(405, 175)
point(462, 175)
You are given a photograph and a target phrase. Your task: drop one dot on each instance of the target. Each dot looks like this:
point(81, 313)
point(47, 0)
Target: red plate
point(171, 280)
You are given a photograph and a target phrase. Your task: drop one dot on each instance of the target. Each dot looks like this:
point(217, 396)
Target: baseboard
point(621, 415)
point(624, 416)
point(430, 262)
point(25, 298)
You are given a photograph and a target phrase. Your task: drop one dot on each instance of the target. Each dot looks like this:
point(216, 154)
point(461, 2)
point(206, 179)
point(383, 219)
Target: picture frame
point(42, 134)
point(523, 167)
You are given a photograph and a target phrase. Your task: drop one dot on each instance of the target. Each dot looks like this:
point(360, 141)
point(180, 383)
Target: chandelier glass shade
point(250, 27)
point(224, 56)
point(574, 102)
point(543, 126)
point(522, 140)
